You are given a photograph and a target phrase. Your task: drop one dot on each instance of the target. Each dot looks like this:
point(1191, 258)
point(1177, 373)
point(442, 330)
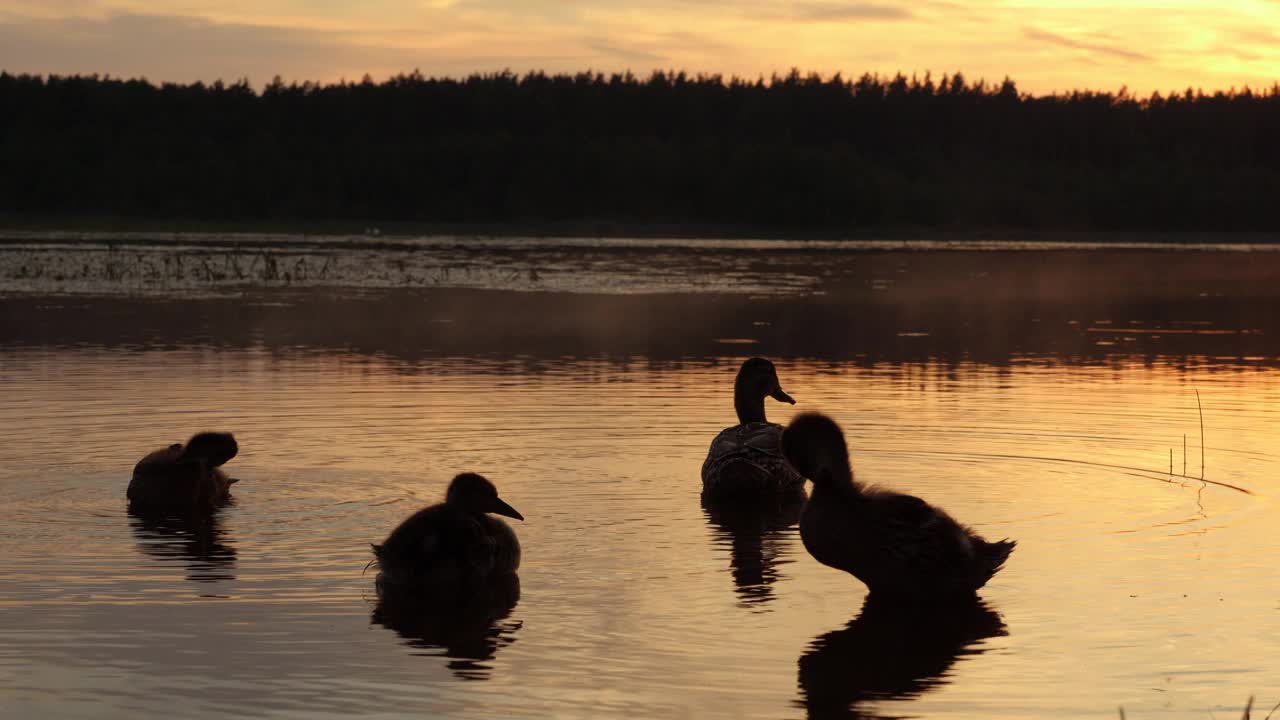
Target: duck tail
point(997, 553)
point(377, 555)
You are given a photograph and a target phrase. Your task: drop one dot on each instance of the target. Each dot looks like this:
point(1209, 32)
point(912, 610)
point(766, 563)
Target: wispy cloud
point(1247, 45)
point(624, 52)
point(163, 47)
point(838, 11)
point(1254, 36)
point(1086, 45)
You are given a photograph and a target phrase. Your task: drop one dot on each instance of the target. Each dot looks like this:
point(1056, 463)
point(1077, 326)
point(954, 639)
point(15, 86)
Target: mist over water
point(1034, 394)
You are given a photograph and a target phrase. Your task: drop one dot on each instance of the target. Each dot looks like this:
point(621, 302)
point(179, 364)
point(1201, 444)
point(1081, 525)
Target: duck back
point(745, 461)
point(898, 545)
point(442, 544)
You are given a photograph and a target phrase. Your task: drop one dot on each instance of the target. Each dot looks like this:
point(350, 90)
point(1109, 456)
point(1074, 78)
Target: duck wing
point(440, 544)
point(747, 456)
point(159, 461)
point(921, 546)
point(165, 478)
point(502, 546)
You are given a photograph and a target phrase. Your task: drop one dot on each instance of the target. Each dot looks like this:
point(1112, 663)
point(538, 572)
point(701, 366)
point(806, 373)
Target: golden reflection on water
point(1130, 585)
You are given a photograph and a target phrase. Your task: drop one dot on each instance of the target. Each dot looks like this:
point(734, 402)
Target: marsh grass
point(1183, 476)
point(1247, 715)
point(175, 268)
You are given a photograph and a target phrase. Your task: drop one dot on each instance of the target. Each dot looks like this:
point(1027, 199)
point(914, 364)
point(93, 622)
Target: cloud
point(690, 41)
point(1247, 45)
point(1092, 47)
point(178, 48)
point(628, 54)
point(1253, 36)
point(556, 11)
point(572, 11)
point(837, 11)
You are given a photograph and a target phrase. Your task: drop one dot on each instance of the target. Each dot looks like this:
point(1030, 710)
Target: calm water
point(1036, 395)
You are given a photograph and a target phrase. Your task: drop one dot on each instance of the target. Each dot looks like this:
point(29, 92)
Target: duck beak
point(780, 396)
point(501, 508)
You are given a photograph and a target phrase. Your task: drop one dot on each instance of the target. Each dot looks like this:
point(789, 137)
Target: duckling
point(745, 461)
point(452, 542)
point(185, 476)
point(898, 545)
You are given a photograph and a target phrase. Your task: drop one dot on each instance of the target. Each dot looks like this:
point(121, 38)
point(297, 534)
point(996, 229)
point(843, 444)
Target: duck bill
point(780, 396)
point(501, 508)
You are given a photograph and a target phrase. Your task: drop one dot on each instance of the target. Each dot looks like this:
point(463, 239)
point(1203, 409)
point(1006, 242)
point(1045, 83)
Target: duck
point(898, 545)
point(745, 462)
point(185, 476)
point(456, 542)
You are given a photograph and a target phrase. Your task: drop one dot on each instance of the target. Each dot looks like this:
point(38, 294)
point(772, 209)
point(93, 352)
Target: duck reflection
point(757, 537)
point(469, 624)
point(890, 652)
point(197, 538)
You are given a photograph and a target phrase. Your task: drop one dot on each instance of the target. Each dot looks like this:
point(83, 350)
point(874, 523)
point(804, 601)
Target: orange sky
point(1045, 46)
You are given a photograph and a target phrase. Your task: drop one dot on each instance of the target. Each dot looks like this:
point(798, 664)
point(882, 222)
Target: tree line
point(792, 153)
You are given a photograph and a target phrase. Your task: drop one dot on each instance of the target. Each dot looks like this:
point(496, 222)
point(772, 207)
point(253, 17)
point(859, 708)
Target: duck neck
point(749, 405)
point(839, 481)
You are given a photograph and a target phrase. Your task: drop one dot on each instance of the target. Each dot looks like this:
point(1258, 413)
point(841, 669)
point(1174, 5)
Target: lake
point(1038, 392)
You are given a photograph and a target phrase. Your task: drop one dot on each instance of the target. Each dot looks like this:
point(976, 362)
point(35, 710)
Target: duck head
point(475, 494)
point(757, 379)
point(814, 445)
point(214, 448)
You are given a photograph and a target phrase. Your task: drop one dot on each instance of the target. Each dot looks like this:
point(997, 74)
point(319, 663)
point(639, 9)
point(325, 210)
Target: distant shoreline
point(671, 156)
point(73, 231)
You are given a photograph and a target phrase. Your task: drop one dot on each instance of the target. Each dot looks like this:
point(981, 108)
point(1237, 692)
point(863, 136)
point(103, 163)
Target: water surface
point(1035, 395)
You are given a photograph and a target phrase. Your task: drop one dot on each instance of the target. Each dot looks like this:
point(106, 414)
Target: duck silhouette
point(453, 542)
point(897, 544)
point(745, 462)
point(756, 535)
point(185, 476)
point(891, 651)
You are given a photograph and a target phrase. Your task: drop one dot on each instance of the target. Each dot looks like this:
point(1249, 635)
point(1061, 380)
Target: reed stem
point(1201, 409)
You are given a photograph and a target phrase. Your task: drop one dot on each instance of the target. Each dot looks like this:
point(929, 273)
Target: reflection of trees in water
point(468, 624)
point(757, 538)
point(196, 538)
point(987, 308)
point(890, 652)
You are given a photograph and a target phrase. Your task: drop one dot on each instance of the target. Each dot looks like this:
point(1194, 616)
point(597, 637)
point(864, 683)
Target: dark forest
point(792, 154)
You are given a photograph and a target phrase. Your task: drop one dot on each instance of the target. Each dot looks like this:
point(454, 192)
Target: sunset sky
point(1045, 46)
